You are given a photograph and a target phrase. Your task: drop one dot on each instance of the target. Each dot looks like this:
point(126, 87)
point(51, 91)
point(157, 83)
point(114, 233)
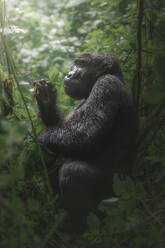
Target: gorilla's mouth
point(72, 92)
point(68, 90)
point(70, 85)
point(65, 87)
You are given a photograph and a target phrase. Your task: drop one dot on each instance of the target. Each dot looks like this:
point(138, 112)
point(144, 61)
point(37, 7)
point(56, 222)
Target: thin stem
point(12, 71)
point(139, 48)
point(151, 213)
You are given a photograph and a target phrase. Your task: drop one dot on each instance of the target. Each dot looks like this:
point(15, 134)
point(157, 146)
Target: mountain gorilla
point(99, 134)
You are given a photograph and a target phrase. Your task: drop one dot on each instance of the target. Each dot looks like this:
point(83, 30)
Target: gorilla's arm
point(46, 96)
point(86, 131)
point(50, 116)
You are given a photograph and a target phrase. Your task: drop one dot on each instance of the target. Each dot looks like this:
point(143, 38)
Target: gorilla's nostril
point(69, 75)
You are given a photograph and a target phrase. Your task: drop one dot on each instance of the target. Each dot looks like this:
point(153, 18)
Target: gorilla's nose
point(70, 74)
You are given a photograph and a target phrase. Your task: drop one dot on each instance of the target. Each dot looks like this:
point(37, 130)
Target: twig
point(127, 57)
point(151, 213)
point(49, 235)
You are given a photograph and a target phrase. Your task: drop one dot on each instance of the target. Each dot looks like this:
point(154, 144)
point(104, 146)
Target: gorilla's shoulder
point(110, 79)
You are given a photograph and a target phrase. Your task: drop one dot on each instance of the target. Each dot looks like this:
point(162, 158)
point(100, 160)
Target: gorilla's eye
point(81, 62)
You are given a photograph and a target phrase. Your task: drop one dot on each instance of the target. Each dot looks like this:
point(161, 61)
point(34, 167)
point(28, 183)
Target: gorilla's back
point(119, 151)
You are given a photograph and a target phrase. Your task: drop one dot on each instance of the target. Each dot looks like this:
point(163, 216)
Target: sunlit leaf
point(73, 3)
point(53, 74)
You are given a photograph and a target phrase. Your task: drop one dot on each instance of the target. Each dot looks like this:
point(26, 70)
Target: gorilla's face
point(86, 70)
point(79, 81)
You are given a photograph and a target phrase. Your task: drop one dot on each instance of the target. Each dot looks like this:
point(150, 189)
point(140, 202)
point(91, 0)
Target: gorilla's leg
point(53, 171)
point(81, 190)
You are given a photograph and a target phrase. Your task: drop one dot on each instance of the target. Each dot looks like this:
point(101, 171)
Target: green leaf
point(53, 74)
point(155, 95)
point(73, 3)
point(33, 205)
point(123, 188)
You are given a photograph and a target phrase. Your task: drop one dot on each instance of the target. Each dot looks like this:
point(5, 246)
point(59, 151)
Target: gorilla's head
point(86, 70)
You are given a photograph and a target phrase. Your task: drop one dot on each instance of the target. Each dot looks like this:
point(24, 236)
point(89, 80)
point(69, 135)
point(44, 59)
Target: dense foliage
point(39, 39)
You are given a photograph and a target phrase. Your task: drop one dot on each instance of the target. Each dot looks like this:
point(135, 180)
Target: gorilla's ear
point(111, 66)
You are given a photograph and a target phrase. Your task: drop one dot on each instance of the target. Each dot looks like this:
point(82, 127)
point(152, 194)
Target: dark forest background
point(40, 39)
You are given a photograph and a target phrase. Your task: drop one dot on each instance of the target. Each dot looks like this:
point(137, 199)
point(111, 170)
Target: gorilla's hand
point(45, 93)
point(46, 97)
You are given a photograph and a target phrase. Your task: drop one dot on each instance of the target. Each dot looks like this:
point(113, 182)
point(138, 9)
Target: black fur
point(99, 133)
